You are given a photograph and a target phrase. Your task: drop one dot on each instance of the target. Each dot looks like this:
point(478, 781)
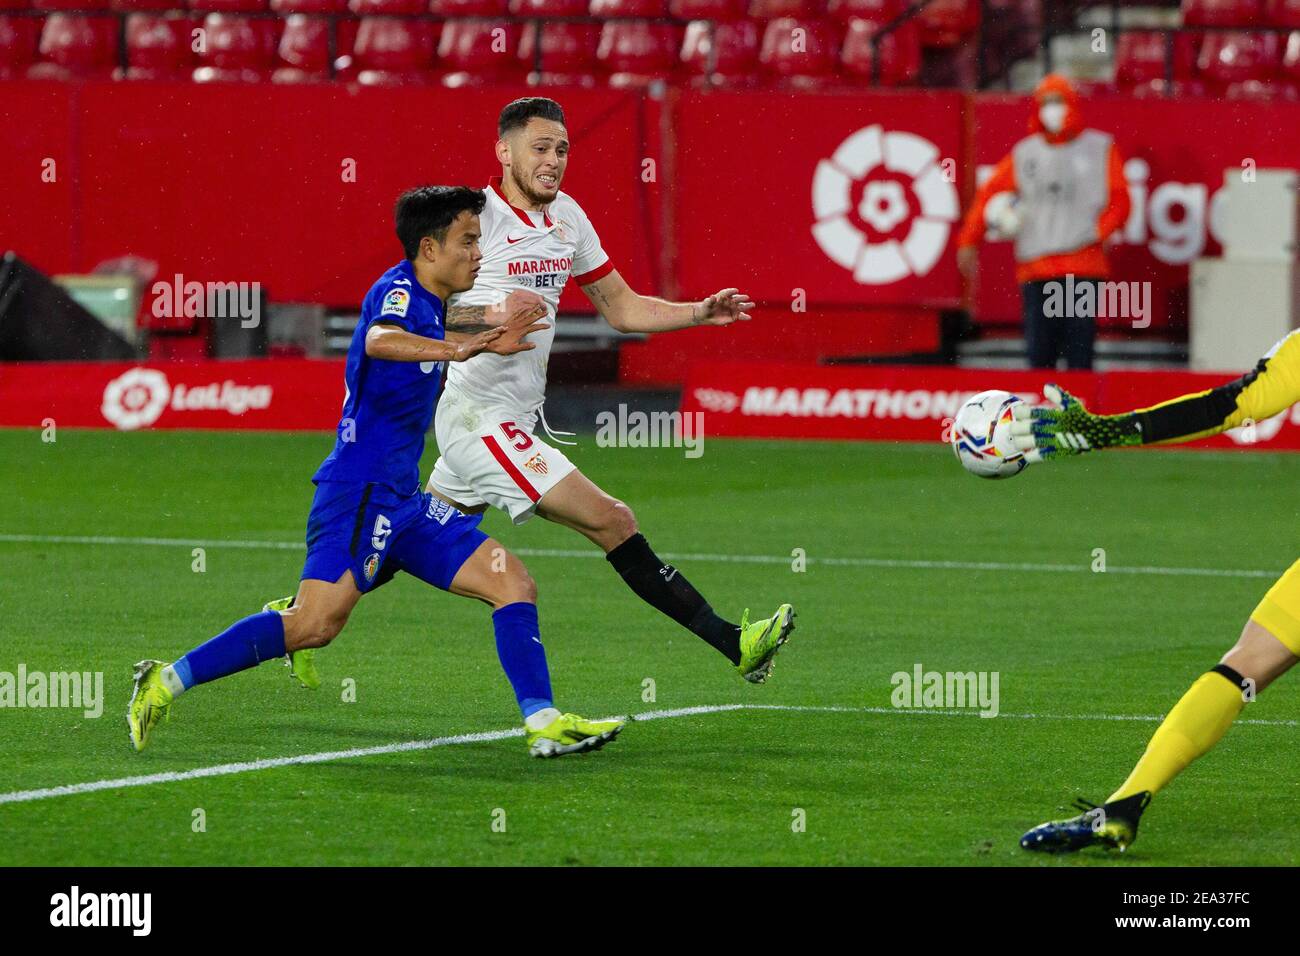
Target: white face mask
point(1052, 116)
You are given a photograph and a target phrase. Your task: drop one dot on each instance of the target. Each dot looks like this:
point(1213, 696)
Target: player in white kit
point(536, 238)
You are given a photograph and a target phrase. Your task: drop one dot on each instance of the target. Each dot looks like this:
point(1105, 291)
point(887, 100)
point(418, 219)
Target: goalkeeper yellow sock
point(1196, 724)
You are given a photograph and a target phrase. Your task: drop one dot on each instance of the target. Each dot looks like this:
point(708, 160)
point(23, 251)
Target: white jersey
point(538, 251)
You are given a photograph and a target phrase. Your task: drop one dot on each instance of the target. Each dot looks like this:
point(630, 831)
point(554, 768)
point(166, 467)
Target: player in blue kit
point(369, 513)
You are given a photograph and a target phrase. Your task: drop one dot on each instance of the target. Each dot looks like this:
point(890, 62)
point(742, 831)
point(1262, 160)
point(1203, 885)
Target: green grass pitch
point(1073, 648)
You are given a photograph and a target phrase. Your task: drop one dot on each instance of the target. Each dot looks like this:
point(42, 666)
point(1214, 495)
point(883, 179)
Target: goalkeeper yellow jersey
point(1272, 386)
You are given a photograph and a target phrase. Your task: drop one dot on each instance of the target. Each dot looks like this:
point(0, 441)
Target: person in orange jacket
point(1070, 195)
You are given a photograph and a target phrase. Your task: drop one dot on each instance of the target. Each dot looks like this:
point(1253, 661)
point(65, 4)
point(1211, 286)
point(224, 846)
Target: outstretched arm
point(627, 311)
point(1270, 387)
point(393, 343)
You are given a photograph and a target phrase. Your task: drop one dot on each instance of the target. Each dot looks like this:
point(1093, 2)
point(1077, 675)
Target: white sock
point(171, 681)
point(540, 718)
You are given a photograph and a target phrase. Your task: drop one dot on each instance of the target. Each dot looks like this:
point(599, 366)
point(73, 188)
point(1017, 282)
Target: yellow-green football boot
point(301, 664)
point(151, 702)
point(571, 734)
point(760, 641)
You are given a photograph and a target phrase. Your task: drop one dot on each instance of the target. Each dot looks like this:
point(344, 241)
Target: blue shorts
point(375, 532)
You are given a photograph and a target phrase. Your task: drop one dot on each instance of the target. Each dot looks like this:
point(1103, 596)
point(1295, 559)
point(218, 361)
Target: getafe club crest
point(371, 566)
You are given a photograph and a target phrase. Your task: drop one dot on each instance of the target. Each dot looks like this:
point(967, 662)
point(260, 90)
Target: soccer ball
point(981, 435)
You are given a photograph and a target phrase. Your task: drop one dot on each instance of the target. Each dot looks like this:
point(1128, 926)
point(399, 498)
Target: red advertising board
point(852, 198)
point(915, 403)
point(288, 394)
point(813, 201)
point(289, 185)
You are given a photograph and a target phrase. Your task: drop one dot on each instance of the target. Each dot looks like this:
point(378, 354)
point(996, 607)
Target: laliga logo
point(883, 206)
point(136, 398)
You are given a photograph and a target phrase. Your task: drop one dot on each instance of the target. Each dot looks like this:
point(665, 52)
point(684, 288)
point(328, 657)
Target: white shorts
point(485, 457)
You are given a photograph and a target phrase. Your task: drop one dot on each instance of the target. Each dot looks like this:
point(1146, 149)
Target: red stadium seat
point(644, 9)
point(142, 6)
point(1140, 58)
point(286, 7)
point(304, 50)
point(736, 43)
point(346, 38)
point(634, 52)
point(881, 11)
point(1283, 13)
point(19, 42)
point(159, 47)
point(391, 51)
point(708, 9)
point(568, 53)
point(74, 46)
point(239, 49)
point(778, 9)
point(87, 6)
point(15, 5)
point(1223, 13)
point(480, 51)
point(1289, 69)
point(376, 8)
point(806, 58)
point(1159, 88)
point(900, 52)
point(471, 8)
point(229, 6)
point(945, 23)
point(548, 8)
point(1230, 59)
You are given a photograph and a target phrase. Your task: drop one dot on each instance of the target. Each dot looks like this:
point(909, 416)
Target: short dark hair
point(430, 211)
point(517, 114)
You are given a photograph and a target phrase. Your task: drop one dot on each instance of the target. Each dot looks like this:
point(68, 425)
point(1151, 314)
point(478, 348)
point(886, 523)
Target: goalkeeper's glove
point(1067, 428)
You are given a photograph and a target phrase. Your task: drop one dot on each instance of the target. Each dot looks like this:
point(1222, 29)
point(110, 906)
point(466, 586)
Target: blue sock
point(243, 645)
point(519, 645)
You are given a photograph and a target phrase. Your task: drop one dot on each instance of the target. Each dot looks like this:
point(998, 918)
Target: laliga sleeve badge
point(396, 302)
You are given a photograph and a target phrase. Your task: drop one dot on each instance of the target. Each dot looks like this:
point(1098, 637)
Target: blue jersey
point(388, 406)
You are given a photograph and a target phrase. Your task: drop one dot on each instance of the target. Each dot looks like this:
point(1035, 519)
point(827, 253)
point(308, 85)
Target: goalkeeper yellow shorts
point(1279, 611)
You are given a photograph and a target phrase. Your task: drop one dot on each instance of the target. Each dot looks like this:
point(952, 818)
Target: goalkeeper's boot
point(301, 663)
point(1112, 825)
point(760, 641)
point(571, 734)
point(151, 702)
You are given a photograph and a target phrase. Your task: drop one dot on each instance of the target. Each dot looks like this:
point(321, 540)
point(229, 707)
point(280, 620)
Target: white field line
point(227, 769)
point(676, 556)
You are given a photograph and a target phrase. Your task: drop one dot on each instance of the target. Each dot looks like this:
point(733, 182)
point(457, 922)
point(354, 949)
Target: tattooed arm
point(393, 343)
point(463, 321)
